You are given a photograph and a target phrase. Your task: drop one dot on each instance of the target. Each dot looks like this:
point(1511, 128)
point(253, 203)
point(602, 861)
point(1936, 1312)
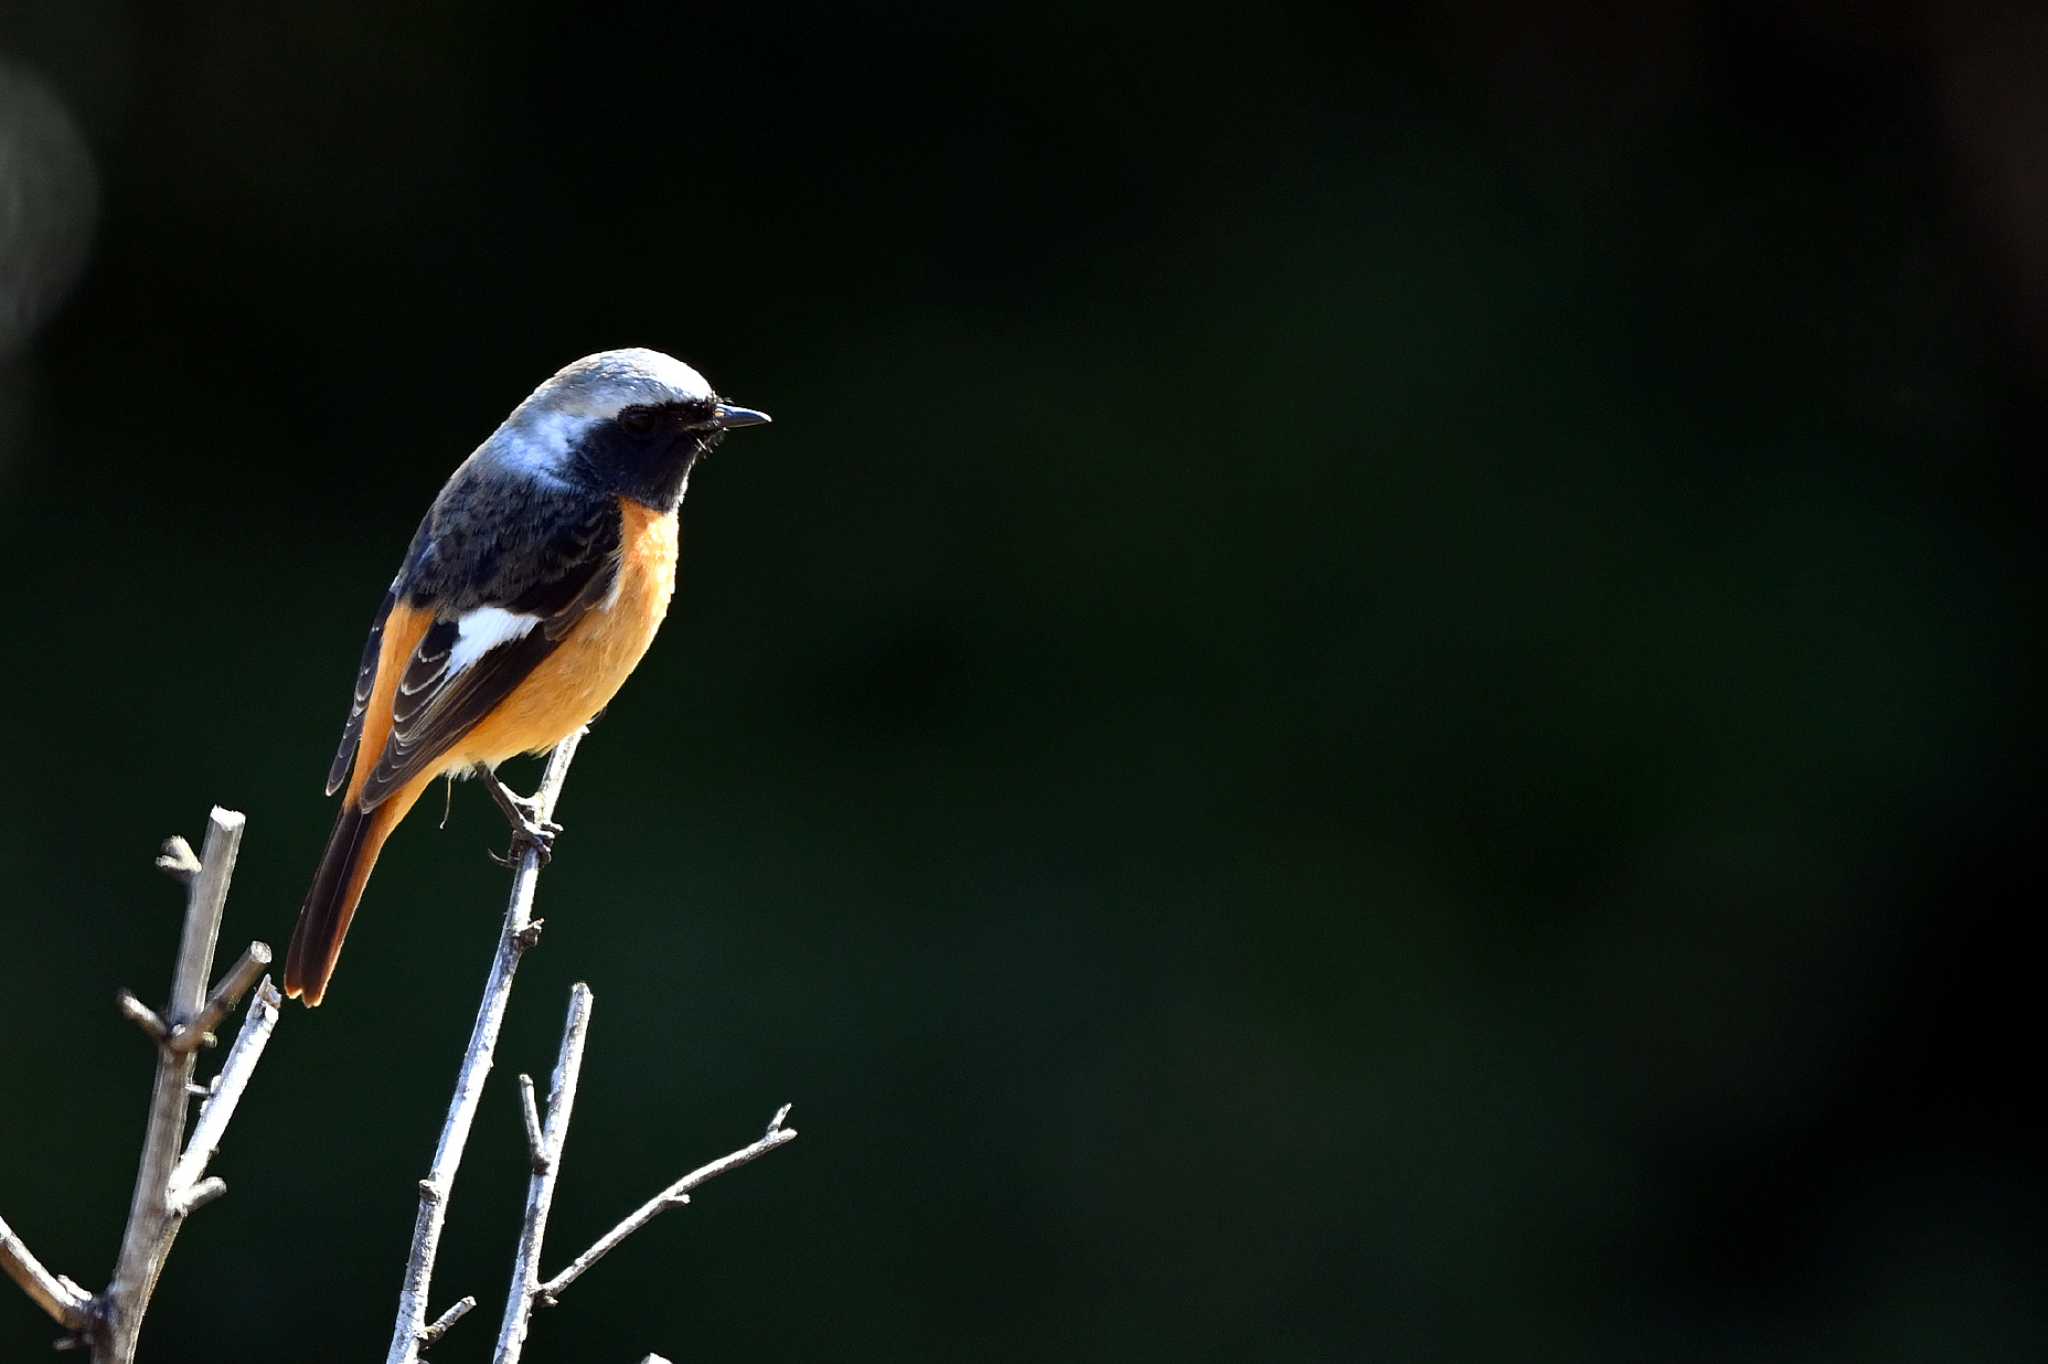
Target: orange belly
point(586, 670)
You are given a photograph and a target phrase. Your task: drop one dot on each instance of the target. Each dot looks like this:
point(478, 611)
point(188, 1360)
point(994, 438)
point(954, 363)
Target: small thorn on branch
point(141, 1015)
point(528, 938)
point(177, 860)
point(431, 1336)
point(536, 1143)
point(191, 1200)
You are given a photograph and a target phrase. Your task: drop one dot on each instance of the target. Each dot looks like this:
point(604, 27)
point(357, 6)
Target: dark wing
point(366, 680)
point(552, 568)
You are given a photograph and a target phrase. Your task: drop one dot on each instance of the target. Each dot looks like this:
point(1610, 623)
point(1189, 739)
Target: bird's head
point(631, 422)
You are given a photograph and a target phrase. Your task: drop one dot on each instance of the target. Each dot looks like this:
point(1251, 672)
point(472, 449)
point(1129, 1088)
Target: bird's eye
point(638, 421)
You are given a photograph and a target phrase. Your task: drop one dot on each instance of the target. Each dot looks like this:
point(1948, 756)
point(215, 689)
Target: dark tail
point(337, 889)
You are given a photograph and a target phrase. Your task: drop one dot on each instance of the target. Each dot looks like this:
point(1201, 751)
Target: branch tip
point(177, 860)
point(186, 1201)
point(141, 1015)
point(431, 1336)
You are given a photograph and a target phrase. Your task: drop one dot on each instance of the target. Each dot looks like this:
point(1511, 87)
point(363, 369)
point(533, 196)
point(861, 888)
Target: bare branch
point(221, 1002)
point(152, 1220)
point(540, 1189)
point(432, 1335)
point(69, 1307)
point(219, 1109)
point(168, 1187)
point(411, 1322)
point(674, 1196)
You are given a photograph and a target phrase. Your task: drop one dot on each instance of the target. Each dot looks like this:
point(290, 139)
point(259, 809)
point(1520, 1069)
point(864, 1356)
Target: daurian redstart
point(531, 590)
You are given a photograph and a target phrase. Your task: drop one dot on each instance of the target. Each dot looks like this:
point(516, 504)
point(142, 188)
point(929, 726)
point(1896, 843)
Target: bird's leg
point(529, 830)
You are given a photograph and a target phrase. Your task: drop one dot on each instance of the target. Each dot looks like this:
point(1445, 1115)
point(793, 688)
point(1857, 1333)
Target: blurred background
point(1367, 704)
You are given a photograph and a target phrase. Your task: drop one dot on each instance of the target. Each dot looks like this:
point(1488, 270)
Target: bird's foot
point(538, 835)
point(529, 830)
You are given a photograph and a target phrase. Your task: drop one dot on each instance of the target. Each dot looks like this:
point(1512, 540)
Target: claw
point(529, 830)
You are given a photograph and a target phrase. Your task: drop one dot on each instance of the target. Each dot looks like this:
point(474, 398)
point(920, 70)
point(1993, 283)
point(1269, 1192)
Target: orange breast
point(586, 671)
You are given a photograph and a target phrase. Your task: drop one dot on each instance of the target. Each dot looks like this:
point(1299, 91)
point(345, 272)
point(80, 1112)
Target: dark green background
point(1368, 703)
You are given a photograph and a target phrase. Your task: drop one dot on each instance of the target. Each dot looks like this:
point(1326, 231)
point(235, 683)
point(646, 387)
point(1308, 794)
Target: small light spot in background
point(49, 200)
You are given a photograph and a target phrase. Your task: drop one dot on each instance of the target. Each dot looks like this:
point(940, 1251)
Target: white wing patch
point(483, 630)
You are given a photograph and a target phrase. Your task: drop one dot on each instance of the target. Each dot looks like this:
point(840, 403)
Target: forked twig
point(547, 1169)
point(408, 1330)
point(169, 1186)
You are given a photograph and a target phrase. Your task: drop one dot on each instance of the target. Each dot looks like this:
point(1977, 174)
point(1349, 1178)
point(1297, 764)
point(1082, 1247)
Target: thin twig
point(66, 1303)
point(674, 1196)
point(255, 959)
point(141, 1015)
point(152, 1221)
point(536, 1144)
point(219, 1109)
point(540, 1189)
point(411, 1322)
point(191, 1200)
point(432, 1335)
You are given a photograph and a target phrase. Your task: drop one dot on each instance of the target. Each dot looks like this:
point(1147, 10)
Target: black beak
point(729, 416)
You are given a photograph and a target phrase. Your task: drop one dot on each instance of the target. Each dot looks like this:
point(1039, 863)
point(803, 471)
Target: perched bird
point(530, 592)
